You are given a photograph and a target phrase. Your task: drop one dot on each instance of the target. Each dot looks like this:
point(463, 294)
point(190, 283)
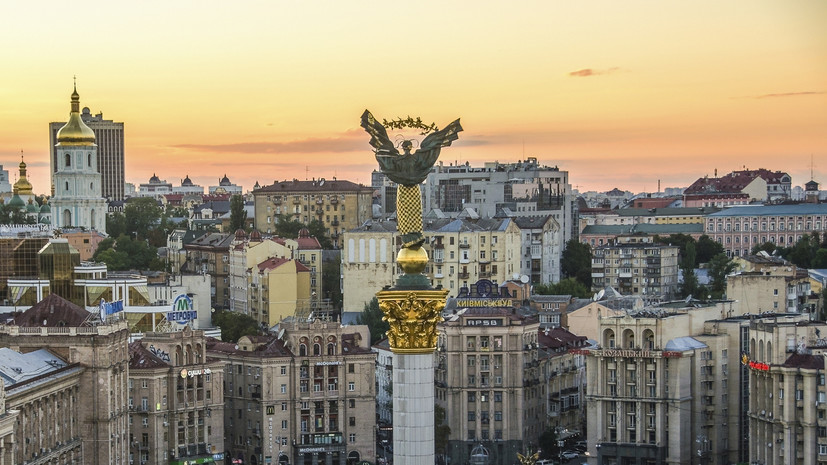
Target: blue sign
point(182, 310)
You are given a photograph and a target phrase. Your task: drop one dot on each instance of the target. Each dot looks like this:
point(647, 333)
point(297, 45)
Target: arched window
point(67, 218)
point(89, 159)
point(68, 160)
point(317, 349)
point(609, 338)
point(649, 339)
point(67, 186)
point(92, 219)
point(331, 349)
point(628, 339)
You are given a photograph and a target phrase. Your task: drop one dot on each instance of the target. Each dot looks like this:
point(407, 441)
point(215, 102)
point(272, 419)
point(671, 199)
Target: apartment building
point(176, 400)
point(78, 339)
point(210, 255)
point(524, 188)
point(490, 380)
point(339, 205)
point(304, 397)
point(636, 265)
point(461, 251)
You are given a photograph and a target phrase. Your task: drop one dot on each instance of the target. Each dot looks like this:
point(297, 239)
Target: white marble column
point(413, 409)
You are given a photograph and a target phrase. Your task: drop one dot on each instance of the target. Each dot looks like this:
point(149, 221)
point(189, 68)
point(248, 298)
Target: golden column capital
point(413, 316)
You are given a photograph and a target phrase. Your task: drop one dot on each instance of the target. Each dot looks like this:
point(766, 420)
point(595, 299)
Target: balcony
point(485, 274)
point(334, 223)
point(297, 201)
point(463, 275)
point(334, 200)
point(464, 245)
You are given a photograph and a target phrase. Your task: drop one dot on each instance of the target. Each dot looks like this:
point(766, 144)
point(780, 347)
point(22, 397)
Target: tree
point(576, 262)
point(441, 431)
point(11, 215)
point(318, 231)
point(804, 251)
point(331, 273)
point(706, 249)
point(142, 215)
point(235, 325)
point(719, 267)
point(124, 253)
point(820, 260)
point(568, 286)
point(689, 286)
point(372, 317)
point(238, 216)
point(115, 224)
point(547, 442)
point(680, 240)
point(287, 226)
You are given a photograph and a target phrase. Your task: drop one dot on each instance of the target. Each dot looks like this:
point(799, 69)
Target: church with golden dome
point(22, 198)
point(77, 199)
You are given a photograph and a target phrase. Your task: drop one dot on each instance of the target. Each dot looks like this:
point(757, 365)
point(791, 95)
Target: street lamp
point(560, 444)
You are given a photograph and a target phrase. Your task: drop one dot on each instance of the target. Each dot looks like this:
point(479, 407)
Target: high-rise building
point(77, 199)
point(110, 163)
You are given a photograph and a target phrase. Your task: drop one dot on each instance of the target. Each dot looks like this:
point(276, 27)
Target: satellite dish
point(321, 181)
point(594, 297)
point(524, 279)
point(281, 333)
point(601, 293)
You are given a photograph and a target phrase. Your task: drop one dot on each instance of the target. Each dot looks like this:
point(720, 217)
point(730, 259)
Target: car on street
point(569, 454)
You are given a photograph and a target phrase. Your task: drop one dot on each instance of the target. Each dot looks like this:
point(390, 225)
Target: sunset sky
point(618, 93)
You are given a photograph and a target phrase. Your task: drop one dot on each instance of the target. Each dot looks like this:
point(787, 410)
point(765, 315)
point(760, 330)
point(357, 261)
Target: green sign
point(192, 461)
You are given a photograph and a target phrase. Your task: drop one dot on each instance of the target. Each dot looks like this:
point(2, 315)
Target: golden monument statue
point(412, 307)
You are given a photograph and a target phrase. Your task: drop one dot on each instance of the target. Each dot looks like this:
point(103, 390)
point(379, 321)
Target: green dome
point(32, 208)
point(45, 208)
point(17, 202)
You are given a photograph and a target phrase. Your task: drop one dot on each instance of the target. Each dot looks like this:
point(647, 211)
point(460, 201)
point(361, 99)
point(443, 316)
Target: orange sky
point(620, 94)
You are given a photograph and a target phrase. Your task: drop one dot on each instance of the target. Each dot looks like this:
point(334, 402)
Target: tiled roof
point(274, 348)
point(295, 185)
point(807, 361)
point(53, 311)
point(140, 357)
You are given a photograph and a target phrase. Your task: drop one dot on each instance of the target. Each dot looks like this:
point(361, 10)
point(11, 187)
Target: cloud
point(789, 94)
point(346, 142)
point(355, 140)
point(586, 72)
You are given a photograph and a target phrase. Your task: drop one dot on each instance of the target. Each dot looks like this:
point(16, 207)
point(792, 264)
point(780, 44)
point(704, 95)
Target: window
point(352, 438)
point(472, 397)
point(144, 384)
point(350, 368)
point(472, 416)
point(498, 396)
point(284, 370)
point(351, 386)
point(284, 424)
point(283, 388)
point(352, 421)
point(284, 406)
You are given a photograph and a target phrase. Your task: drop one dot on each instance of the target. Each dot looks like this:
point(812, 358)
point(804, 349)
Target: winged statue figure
point(407, 168)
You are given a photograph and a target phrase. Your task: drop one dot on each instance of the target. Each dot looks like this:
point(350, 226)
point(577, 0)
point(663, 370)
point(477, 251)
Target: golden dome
point(23, 186)
point(75, 131)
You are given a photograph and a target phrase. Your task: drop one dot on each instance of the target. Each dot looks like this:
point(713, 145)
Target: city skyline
point(618, 95)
